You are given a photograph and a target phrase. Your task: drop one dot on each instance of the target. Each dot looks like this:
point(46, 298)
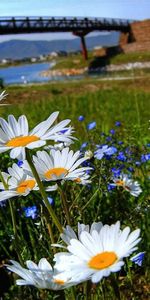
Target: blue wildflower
point(30, 211)
point(130, 169)
point(50, 200)
point(91, 125)
point(145, 157)
point(81, 118)
point(137, 163)
point(121, 156)
point(3, 203)
point(110, 187)
point(99, 154)
point(88, 172)
point(112, 131)
point(128, 151)
point(120, 143)
point(118, 123)
point(138, 258)
point(86, 163)
point(111, 150)
point(108, 138)
point(121, 167)
point(20, 163)
point(84, 145)
point(116, 172)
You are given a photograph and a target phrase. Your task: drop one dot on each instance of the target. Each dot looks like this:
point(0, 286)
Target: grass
point(124, 58)
point(77, 61)
point(72, 61)
point(104, 102)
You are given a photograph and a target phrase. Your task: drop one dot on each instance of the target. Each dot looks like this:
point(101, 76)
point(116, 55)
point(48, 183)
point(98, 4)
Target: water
point(25, 73)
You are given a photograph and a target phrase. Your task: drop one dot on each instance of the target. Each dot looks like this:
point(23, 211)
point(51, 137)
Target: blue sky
point(126, 9)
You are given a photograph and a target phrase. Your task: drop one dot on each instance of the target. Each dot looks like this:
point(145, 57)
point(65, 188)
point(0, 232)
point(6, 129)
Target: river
point(28, 73)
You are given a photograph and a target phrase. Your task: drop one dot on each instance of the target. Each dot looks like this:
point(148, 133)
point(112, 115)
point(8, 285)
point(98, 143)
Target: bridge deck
point(16, 25)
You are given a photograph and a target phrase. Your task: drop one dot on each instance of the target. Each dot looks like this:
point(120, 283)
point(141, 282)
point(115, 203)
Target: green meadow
point(105, 102)
point(102, 101)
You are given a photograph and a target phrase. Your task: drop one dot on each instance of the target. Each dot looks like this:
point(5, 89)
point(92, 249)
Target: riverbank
point(83, 71)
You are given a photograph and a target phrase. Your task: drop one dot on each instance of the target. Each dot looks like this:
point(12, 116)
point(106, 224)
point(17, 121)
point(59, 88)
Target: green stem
point(64, 201)
point(77, 197)
point(49, 228)
point(3, 181)
point(73, 294)
point(85, 290)
point(45, 215)
point(14, 224)
point(42, 191)
point(90, 200)
point(13, 220)
point(4, 248)
point(10, 205)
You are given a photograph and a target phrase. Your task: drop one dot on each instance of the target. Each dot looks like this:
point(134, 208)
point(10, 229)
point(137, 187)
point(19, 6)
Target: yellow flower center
point(78, 180)
point(25, 185)
point(22, 141)
point(59, 281)
point(102, 260)
point(120, 182)
point(57, 172)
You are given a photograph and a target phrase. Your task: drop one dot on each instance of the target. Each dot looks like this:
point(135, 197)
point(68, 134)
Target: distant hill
point(18, 49)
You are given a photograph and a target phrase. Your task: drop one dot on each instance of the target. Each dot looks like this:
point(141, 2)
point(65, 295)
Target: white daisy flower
point(40, 276)
point(69, 234)
point(97, 254)
point(59, 165)
point(19, 183)
point(128, 184)
point(83, 179)
point(3, 95)
point(66, 132)
point(15, 135)
point(59, 146)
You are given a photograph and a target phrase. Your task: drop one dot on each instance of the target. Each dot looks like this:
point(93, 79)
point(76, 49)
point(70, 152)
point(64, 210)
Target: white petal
point(16, 152)
point(4, 195)
point(41, 128)
point(97, 276)
point(24, 128)
point(44, 264)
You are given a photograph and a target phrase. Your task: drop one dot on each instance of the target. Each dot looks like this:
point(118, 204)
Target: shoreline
point(99, 70)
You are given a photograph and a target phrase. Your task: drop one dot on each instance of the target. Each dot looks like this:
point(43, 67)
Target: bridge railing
point(32, 24)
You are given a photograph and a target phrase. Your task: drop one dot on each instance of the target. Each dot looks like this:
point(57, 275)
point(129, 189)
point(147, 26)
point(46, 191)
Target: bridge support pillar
point(84, 48)
point(82, 35)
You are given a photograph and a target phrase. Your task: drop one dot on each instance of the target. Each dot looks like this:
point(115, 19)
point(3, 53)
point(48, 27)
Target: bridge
point(78, 26)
